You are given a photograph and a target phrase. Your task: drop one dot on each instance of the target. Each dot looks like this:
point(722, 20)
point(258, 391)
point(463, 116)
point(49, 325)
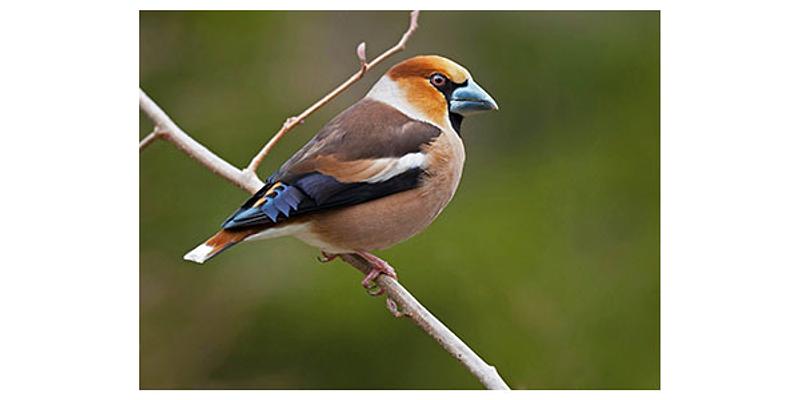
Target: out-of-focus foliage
point(546, 262)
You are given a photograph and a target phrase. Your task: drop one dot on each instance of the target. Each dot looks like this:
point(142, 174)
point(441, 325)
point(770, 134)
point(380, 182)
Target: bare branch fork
point(399, 300)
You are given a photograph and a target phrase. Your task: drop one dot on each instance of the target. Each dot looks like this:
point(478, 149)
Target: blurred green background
point(546, 262)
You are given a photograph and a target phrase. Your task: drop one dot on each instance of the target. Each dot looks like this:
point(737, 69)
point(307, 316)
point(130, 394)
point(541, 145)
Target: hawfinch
point(377, 174)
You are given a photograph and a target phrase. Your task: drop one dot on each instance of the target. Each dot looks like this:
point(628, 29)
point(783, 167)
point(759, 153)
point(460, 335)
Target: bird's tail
point(216, 244)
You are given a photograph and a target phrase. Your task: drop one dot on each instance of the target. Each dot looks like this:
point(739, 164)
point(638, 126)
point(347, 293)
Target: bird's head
point(432, 89)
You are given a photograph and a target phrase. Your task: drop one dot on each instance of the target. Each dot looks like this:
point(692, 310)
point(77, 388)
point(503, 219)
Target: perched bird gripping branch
point(375, 175)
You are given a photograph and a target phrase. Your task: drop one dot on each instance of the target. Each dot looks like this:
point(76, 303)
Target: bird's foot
point(326, 258)
point(378, 267)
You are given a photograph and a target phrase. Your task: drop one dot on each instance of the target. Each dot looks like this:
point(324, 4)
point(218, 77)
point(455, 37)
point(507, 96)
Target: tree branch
point(292, 122)
point(148, 139)
point(399, 300)
point(402, 304)
point(170, 131)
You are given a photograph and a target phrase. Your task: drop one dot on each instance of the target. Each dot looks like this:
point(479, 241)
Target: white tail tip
point(200, 254)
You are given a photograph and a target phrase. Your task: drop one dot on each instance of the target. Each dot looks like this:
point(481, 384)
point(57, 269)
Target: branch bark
point(168, 130)
point(365, 66)
point(402, 304)
point(399, 300)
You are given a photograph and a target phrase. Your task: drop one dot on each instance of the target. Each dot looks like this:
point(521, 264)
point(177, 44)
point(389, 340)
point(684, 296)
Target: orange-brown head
point(433, 89)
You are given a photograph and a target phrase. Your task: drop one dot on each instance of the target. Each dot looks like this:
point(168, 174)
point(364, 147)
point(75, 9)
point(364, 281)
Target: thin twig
point(150, 138)
point(292, 122)
point(361, 53)
point(399, 300)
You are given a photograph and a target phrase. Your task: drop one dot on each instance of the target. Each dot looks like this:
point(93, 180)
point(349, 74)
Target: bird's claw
point(375, 290)
point(378, 267)
point(369, 283)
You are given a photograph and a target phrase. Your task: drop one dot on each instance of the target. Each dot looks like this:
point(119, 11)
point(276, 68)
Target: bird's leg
point(378, 267)
point(326, 258)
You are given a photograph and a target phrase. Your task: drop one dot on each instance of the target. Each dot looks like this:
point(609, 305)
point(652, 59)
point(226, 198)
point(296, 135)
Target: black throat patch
point(447, 91)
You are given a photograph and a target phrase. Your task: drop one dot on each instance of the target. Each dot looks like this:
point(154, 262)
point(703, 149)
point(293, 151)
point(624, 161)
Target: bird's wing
point(369, 151)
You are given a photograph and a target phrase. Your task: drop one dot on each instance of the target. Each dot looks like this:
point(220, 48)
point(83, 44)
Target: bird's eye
point(438, 80)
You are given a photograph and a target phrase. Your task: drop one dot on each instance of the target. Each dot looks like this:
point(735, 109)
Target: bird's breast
point(383, 222)
point(445, 164)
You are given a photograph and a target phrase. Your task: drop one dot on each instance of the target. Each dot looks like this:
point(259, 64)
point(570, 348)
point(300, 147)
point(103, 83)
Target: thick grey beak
point(471, 99)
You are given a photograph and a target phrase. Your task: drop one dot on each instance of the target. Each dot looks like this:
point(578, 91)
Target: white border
point(729, 199)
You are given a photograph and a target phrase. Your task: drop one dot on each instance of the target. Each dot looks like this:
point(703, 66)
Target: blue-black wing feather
point(313, 192)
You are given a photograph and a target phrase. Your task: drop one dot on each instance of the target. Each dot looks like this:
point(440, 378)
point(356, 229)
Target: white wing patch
point(390, 167)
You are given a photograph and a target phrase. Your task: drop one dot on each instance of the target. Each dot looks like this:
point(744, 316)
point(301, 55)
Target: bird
point(375, 175)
